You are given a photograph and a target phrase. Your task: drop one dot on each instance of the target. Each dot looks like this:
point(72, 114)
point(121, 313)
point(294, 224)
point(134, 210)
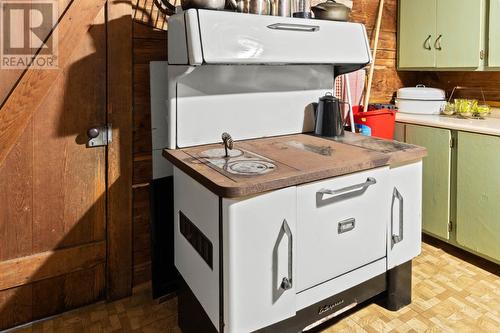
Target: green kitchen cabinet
point(494, 34)
point(478, 193)
point(436, 177)
point(416, 31)
point(461, 187)
point(399, 132)
point(441, 34)
point(458, 34)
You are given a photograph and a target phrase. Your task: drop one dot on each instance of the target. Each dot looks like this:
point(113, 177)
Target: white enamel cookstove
point(291, 258)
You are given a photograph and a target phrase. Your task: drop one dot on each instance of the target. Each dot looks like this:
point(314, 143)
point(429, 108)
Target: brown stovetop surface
point(288, 160)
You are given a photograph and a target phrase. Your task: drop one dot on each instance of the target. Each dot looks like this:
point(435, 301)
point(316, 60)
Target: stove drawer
point(341, 225)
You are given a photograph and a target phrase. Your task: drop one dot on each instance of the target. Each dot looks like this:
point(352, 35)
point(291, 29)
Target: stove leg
point(399, 287)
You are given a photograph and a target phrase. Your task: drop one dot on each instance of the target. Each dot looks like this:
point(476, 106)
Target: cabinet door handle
point(369, 181)
point(427, 44)
point(437, 43)
point(396, 238)
point(286, 282)
point(294, 27)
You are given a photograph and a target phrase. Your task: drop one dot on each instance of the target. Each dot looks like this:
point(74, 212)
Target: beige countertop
point(297, 158)
point(490, 125)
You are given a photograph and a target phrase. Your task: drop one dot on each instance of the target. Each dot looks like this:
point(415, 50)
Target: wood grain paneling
point(53, 188)
point(17, 111)
point(20, 271)
point(75, 213)
point(9, 77)
point(146, 50)
point(143, 169)
point(52, 296)
point(16, 199)
point(142, 109)
point(16, 306)
point(149, 43)
point(488, 81)
point(119, 222)
point(142, 236)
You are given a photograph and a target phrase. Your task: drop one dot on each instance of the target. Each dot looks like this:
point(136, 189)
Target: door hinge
point(450, 226)
point(99, 136)
point(452, 142)
point(482, 54)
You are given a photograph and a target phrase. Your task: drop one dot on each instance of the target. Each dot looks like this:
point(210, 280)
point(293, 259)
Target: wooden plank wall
point(488, 81)
point(119, 169)
point(150, 43)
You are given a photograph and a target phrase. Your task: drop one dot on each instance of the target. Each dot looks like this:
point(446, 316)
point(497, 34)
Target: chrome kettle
point(329, 117)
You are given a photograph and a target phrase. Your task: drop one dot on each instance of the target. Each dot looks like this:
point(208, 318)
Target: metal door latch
point(99, 136)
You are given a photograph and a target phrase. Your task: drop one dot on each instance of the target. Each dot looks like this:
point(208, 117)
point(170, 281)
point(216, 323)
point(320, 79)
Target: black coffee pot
point(329, 119)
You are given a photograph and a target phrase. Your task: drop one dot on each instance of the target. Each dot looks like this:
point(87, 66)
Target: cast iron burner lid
point(250, 167)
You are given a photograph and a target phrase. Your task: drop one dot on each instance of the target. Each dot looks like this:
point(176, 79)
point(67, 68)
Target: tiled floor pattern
point(449, 295)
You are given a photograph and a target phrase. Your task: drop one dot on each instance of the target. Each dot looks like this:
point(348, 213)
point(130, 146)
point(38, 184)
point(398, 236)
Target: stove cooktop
point(239, 162)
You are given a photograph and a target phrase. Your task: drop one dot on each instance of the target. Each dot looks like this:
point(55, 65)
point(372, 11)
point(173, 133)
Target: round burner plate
point(250, 168)
point(220, 153)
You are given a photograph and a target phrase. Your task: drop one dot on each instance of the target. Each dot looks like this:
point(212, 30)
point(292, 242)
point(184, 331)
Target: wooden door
point(436, 177)
point(478, 190)
point(53, 189)
point(417, 30)
point(459, 27)
point(494, 34)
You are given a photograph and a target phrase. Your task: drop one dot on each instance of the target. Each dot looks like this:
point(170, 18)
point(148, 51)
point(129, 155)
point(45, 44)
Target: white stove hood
point(197, 37)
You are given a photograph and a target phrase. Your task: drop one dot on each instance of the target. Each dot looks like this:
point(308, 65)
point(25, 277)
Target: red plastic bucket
point(378, 123)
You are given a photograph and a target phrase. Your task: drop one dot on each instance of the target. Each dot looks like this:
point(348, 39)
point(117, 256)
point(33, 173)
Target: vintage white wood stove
point(287, 259)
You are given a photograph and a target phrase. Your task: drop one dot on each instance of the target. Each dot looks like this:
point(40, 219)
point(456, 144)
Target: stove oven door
point(341, 225)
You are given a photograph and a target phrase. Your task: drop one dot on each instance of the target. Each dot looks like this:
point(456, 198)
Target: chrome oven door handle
point(369, 182)
point(396, 238)
point(294, 27)
point(286, 282)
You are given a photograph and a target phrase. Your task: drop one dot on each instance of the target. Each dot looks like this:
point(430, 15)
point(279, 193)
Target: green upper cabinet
point(436, 177)
point(494, 34)
point(442, 34)
point(458, 41)
point(478, 193)
point(417, 33)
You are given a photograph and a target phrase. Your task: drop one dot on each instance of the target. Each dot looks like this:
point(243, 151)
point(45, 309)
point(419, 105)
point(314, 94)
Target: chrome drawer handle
point(286, 283)
point(396, 238)
point(294, 27)
point(369, 182)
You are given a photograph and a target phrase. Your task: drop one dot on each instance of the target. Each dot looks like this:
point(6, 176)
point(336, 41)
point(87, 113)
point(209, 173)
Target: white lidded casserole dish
point(420, 100)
